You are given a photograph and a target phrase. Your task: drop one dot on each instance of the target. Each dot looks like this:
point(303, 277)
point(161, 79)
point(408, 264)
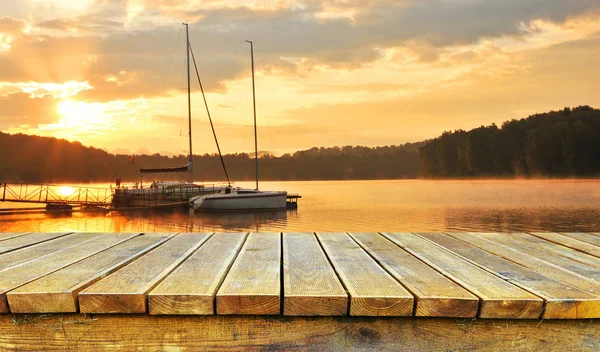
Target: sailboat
point(237, 198)
point(166, 193)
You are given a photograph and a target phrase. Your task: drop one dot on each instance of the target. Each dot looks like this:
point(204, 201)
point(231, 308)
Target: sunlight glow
point(65, 191)
point(80, 114)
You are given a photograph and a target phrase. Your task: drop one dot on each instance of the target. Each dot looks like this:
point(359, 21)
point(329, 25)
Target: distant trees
point(32, 159)
point(558, 143)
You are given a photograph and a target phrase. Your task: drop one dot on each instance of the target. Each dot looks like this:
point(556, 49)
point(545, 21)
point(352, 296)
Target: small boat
point(237, 198)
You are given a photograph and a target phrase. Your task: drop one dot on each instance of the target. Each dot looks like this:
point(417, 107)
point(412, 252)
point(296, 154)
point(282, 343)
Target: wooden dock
point(300, 291)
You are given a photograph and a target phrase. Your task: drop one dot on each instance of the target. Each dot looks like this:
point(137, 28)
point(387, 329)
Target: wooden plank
point(192, 287)
point(540, 266)
point(498, 298)
point(28, 240)
point(57, 292)
point(583, 237)
point(8, 235)
point(562, 301)
point(557, 249)
point(543, 254)
point(568, 242)
point(126, 290)
point(253, 284)
point(373, 292)
point(435, 294)
point(16, 276)
point(310, 285)
point(39, 250)
point(135, 332)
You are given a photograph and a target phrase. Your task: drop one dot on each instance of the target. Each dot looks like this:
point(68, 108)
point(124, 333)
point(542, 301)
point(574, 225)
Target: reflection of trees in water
point(521, 219)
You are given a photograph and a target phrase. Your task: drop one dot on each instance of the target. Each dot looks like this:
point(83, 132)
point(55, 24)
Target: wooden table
point(315, 291)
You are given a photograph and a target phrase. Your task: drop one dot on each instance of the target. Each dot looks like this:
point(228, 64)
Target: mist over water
point(392, 206)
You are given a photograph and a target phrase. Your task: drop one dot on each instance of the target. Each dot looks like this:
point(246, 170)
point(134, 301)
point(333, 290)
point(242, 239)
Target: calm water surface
point(398, 205)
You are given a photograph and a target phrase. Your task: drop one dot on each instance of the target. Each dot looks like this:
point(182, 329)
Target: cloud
point(21, 109)
point(101, 40)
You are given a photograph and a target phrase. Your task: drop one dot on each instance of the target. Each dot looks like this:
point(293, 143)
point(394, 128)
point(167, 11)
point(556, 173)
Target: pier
point(280, 291)
point(65, 198)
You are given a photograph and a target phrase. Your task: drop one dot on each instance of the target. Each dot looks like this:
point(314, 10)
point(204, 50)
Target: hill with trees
point(33, 159)
point(562, 143)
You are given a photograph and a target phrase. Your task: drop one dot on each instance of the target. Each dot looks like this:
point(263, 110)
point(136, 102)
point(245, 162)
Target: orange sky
point(111, 74)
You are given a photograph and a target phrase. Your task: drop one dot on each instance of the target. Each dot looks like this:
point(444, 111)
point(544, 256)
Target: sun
point(70, 110)
point(80, 114)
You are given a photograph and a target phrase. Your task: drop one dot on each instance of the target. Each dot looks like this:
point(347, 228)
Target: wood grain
point(583, 237)
point(373, 292)
point(126, 290)
point(562, 301)
point(57, 292)
point(435, 294)
point(498, 298)
point(75, 332)
point(16, 276)
point(8, 235)
point(569, 242)
point(543, 254)
point(192, 287)
point(39, 250)
point(28, 240)
point(540, 266)
point(557, 249)
point(253, 284)
point(311, 286)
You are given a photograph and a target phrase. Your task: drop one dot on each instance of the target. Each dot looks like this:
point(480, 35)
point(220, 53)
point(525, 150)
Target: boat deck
point(233, 281)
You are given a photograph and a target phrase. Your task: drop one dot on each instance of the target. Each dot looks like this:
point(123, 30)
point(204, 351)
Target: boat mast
point(187, 49)
point(254, 106)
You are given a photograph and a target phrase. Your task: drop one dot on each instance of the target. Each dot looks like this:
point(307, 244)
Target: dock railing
point(55, 194)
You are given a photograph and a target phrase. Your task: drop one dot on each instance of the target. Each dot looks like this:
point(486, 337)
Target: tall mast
point(254, 106)
point(187, 50)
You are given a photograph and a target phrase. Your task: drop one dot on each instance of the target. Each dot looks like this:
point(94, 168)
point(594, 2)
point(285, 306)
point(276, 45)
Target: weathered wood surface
point(39, 250)
point(555, 249)
point(540, 266)
point(253, 284)
point(569, 242)
point(543, 254)
point(562, 301)
point(73, 332)
point(373, 292)
point(192, 287)
point(311, 286)
point(27, 240)
point(125, 291)
point(9, 235)
point(499, 299)
point(436, 295)
point(57, 292)
point(16, 276)
point(583, 237)
point(510, 276)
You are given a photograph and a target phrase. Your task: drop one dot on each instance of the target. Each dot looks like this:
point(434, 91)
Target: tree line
point(558, 143)
point(35, 159)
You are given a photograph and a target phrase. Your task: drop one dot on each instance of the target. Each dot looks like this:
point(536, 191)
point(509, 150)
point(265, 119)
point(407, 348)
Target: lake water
point(395, 205)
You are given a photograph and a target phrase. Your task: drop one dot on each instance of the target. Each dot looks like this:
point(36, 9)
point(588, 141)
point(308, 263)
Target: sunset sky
point(111, 73)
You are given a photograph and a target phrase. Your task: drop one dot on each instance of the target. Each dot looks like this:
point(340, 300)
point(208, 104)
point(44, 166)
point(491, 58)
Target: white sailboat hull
point(237, 201)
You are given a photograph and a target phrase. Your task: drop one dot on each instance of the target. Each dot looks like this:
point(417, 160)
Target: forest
point(33, 159)
point(562, 143)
